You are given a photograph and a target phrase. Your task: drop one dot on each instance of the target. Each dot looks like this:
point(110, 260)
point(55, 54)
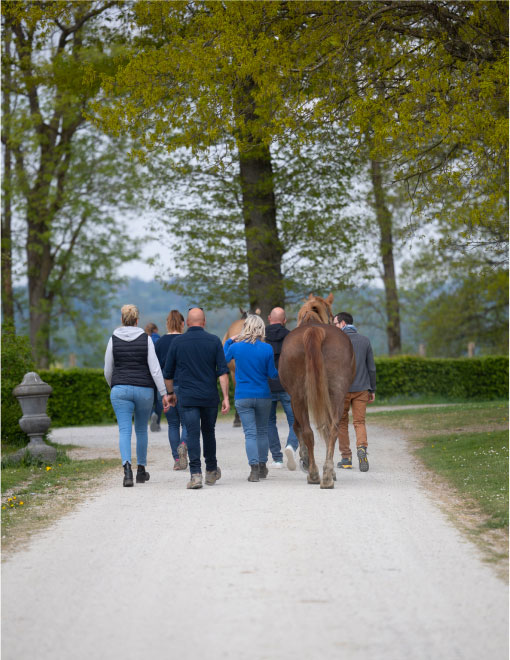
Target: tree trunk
point(6, 242)
point(384, 221)
point(264, 253)
point(263, 248)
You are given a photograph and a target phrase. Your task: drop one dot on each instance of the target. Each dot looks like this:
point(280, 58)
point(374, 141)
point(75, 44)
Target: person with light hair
point(254, 365)
point(132, 371)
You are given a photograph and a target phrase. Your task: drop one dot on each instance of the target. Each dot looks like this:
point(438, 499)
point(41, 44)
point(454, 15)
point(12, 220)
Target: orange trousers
point(358, 401)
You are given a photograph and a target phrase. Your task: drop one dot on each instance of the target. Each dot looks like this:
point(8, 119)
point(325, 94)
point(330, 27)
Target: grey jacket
point(365, 365)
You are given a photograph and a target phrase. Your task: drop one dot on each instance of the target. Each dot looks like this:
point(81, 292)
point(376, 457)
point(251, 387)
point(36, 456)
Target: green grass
point(29, 486)
point(476, 464)
point(464, 416)
point(467, 445)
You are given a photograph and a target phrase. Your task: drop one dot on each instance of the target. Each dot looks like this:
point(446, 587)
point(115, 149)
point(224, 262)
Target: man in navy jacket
point(200, 360)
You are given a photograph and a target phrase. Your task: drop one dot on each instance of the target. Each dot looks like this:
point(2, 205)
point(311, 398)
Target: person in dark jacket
point(197, 358)
point(132, 370)
point(361, 392)
point(275, 334)
point(152, 330)
point(177, 440)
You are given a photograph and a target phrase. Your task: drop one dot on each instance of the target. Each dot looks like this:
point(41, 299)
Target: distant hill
point(154, 304)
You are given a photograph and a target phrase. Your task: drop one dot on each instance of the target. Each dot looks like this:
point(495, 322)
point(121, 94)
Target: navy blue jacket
point(199, 359)
point(162, 347)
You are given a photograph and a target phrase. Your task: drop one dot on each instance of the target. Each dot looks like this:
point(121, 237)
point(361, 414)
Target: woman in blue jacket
point(254, 365)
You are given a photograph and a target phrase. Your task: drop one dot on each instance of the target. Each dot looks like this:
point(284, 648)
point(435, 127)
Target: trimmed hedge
point(82, 396)
point(470, 378)
point(16, 362)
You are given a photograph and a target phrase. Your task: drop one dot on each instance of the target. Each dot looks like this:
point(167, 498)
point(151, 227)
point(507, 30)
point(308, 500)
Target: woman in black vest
point(132, 371)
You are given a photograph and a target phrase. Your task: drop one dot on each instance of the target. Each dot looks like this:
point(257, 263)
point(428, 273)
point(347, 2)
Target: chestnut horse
point(316, 368)
point(233, 330)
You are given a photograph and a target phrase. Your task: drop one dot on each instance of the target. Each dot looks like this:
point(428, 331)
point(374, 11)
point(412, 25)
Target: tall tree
point(67, 177)
point(6, 252)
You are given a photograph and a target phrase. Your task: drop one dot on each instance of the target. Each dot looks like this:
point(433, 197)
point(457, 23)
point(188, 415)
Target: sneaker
point(177, 464)
point(276, 464)
point(155, 426)
point(291, 457)
point(363, 460)
point(182, 450)
point(345, 463)
point(212, 477)
point(195, 481)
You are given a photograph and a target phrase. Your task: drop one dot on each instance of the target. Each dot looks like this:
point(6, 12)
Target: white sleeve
point(153, 362)
point(108, 363)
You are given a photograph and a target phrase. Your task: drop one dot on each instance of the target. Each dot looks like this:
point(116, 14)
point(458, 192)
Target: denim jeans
point(157, 406)
point(126, 401)
point(254, 414)
point(272, 430)
point(202, 418)
point(175, 422)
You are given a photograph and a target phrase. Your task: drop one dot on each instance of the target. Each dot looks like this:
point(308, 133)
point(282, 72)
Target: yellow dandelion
point(48, 467)
point(21, 503)
point(14, 497)
point(4, 507)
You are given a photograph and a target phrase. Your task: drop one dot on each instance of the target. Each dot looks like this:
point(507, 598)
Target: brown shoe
point(263, 471)
point(254, 474)
point(195, 482)
point(177, 464)
point(212, 477)
point(182, 450)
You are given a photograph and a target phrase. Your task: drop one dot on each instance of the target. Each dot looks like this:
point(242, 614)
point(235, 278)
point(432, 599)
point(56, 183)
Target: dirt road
point(274, 570)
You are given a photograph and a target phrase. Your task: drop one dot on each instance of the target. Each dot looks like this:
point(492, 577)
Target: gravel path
point(273, 570)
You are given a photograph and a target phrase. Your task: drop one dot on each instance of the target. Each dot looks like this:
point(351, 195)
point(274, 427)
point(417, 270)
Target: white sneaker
point(291, 457)
point(276, 464)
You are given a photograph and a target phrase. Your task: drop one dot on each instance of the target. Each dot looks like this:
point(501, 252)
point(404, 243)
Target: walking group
point(177, 374)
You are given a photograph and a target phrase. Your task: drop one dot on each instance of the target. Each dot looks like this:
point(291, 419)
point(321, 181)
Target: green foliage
point(470, 378)
point(80, 397)
point(16, 362)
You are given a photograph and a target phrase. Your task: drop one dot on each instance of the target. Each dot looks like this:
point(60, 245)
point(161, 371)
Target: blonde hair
point(174, 321)
point(129, 314)
point(253, 329)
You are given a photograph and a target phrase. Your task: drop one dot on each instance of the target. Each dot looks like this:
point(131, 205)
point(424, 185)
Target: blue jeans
point(196, 419)
point(254, 414)
point(175, 422)
point(157, 406)
point(272, 430)
point(126, 401)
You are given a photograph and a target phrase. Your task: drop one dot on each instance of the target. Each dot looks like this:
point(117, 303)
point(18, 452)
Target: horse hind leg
point(313, 470)
point(328, 472)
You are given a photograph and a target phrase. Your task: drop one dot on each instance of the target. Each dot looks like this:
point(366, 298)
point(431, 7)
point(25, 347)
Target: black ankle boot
point(141, 475)
point(254, 474)
point(263, 471)
point(128, 475)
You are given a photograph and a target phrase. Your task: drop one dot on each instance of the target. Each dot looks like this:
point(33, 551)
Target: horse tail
point(316, 382)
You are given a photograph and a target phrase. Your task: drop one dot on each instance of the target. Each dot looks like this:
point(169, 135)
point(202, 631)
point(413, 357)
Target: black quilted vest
point(130, 365)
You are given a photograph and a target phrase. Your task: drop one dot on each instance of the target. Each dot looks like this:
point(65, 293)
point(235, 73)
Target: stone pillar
point(32, 394)
point(471, 348)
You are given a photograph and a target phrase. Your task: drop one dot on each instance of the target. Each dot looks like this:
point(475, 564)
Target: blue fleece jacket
point(254, 365)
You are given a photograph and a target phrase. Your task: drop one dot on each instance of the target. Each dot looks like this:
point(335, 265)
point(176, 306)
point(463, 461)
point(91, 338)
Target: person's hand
point(169, 401)
point(371, 397)
point(225, 406)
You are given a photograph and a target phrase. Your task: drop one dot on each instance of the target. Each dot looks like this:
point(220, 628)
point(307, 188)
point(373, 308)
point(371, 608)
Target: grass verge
point(33, 495)
point(466, 446)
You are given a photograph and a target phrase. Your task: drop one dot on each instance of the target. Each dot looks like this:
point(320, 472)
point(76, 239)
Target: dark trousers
point(203, 418)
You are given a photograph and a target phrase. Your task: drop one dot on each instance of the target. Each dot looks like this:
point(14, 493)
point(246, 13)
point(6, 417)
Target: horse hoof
point(313, 480)
point(327, 484)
